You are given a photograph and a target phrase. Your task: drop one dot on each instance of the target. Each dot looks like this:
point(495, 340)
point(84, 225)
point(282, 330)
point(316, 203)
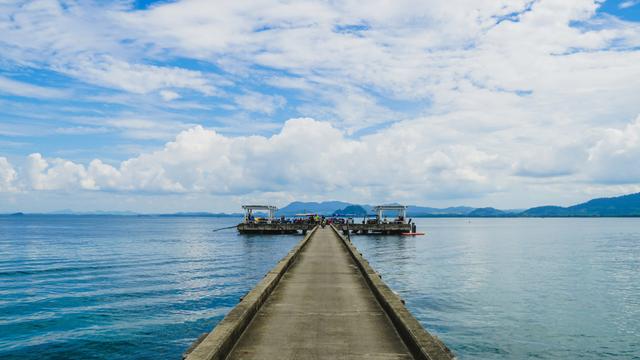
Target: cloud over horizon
point(309, 156)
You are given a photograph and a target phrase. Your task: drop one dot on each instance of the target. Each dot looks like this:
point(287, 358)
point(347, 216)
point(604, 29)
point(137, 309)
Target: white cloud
point(260, 103)
point(628, 4)
point(615, 156)
point(7, 175)
point(552, 161)
point(86, 41)
point(442, 52)
point(351, 109)
point(145, 129)
point(305, 156)
point(81, 130)
point(168, 95)
point(19, 88)
point(290, 83)
point(55, 174)
point(308, 158)
point(135, 78)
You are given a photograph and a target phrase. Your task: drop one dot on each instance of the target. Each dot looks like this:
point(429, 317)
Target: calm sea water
point(145, 287)
point(520, 288)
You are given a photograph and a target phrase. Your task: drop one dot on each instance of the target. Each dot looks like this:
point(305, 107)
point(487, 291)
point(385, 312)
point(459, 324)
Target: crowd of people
point(315, 219)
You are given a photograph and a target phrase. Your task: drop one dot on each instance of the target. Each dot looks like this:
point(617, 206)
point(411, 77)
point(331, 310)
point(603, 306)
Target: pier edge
point(219, 343)
point(421, 343)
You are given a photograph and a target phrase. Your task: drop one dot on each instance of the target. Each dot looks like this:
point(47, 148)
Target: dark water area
point(126, 287)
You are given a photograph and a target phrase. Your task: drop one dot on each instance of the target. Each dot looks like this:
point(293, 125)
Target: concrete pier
point(322, 301)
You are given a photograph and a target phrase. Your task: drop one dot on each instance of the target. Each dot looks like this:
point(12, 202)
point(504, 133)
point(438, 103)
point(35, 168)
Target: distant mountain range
point(344, 208)
point(626, 205)
point(352, 210)
point(125, 213)
point(323, 208)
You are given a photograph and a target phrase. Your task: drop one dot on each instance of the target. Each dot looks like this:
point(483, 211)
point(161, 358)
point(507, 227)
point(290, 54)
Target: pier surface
point(323, 306)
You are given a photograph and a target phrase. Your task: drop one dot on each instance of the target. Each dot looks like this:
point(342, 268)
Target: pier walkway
point(327, 304)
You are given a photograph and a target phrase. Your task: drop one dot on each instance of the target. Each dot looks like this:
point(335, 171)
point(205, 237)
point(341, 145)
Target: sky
point(198, 105)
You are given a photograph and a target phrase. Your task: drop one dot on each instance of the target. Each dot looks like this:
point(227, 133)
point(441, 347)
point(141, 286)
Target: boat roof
point(259, 207)
point(390, 207)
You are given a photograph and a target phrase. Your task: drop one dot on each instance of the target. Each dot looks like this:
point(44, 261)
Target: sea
point(145, 287)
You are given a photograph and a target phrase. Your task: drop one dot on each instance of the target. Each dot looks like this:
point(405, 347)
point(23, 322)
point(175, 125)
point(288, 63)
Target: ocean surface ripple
point(116, 287)
point(127, 287)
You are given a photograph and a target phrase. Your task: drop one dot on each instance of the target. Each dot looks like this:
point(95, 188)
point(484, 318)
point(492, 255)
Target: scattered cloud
point(145, 129)
point(260, 103)
point(628, 4)
point(136, 78)
point(352, 109)
point(81, 130)
point(7, 176)
point(19, 88)
point(168, 95)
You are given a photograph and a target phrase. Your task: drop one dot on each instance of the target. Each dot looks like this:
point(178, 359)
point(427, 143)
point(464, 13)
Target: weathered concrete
point(217, 344)
point(327, 304)
point(421, 344)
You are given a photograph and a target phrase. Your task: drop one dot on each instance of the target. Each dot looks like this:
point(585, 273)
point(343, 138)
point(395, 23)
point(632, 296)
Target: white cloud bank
point(306, 156)
point(313, 157)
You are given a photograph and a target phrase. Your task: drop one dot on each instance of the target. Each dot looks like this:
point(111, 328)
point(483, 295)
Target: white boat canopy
point(400, 209)
point(248, 210)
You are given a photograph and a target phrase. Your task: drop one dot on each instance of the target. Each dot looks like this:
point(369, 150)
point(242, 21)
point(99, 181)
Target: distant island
point(626, 205)
point(620, 206)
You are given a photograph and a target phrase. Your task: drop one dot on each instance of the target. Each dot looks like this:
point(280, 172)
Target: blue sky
point(197, 105)
point(623, 9)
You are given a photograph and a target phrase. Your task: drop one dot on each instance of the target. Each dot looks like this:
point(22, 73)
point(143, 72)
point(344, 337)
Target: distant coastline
point(233, 215)
point(620, 206)
point(117, 214)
